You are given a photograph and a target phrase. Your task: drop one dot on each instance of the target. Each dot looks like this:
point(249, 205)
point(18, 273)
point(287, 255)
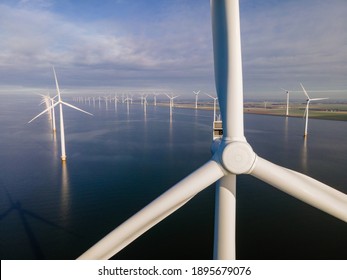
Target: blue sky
point(166, 45)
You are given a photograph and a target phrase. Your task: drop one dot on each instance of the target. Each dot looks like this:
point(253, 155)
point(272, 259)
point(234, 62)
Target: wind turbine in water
point(171, 102)
point(232, 155)
point(214, 106)
point(196, 98)
point(287, 95)
point(307, 107)
point(49, 103)
point(60, 102)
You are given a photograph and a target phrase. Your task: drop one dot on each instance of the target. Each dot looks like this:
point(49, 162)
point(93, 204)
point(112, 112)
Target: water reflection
point(304, 156)
point(65, 190)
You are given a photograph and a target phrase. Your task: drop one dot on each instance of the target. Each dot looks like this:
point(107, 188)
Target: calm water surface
point(117, 162)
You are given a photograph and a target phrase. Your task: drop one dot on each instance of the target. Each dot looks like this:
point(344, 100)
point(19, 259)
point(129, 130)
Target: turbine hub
point(237, 157)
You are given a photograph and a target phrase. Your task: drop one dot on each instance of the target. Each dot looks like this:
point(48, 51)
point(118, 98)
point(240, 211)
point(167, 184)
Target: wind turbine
point(127, 99)
point(214, 105)
point(144, 103)
point(171, 101)
point(60, 102)
point(287, 94)
point(115, 102)
point(196, 98)
point(155, 99)
point(49, 103)
point(232, 155)
point(307, 106)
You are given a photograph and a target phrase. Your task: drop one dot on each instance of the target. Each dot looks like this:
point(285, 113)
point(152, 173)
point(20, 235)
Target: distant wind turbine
point(171, 101)
point(115, 102)
point(307, 107)
point(196, 98)
point(214, 106)
point(49, 103)
point(232, 156)
point(287, 94)
point(155, 99)
point(60, 102)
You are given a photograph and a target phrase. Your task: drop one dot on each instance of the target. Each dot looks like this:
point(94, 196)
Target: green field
point(327, 111)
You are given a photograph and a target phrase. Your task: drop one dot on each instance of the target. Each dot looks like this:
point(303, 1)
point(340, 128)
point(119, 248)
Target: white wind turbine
point(115, 102)
point(232, 156)
point(145, 104)
point(307, 107)
point(214, 105)
point(60, 102)
point(287, 94)
point(127, 99)
point(53, 112)
point(48, 101)
point(155, 98)
point(171, 102)
point(196, 98)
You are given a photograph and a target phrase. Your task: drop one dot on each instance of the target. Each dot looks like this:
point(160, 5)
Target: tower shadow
point(23, 215)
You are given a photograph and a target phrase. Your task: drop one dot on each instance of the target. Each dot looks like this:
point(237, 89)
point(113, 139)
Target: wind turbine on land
point(307, 107)
point(214, 105)
point(232, 155)
point(60, 102)
point(196, 98)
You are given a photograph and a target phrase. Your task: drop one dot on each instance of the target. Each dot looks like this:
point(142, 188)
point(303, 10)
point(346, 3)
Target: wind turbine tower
point(308, 100)
point(60, 102)
point(196, 98)
point(214, 106)
point(171, 102)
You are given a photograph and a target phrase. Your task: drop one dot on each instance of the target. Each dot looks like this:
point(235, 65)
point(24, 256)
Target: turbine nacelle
point(235, 157)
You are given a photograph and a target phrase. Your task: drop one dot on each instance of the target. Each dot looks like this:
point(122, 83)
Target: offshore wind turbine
point(171, 101)
point(49, 103)
point(307, 107)
point(287, 94)
point(53, 112)
point(214, 105)
point(115, 102)
point(60, 102)
point(232, 155)
point(196, 98)
point(155, 99)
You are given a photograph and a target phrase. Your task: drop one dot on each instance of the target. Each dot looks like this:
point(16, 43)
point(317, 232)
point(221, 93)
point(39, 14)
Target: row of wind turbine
point(60, 102)
point(232, 156)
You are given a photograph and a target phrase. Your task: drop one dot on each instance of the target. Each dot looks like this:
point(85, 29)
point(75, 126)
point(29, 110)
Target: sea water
point(119, 160)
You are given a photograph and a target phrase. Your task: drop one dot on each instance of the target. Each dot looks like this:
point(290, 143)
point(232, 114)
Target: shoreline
point(319, 111)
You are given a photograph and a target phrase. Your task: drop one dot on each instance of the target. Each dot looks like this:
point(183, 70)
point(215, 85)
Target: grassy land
point(319, 111)
point(327, 111)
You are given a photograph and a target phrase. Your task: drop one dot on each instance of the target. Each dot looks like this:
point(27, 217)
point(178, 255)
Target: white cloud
point(295, 41)
point(35, 39)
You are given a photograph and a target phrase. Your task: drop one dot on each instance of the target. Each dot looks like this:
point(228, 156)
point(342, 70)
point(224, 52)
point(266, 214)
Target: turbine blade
point(316, 99)
point(156, 211)
point(305, 91)
point(44, 111)
point(56, 84)
point(210, 96)
point(74, 107)
point(228, 66)
point(302, 187)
